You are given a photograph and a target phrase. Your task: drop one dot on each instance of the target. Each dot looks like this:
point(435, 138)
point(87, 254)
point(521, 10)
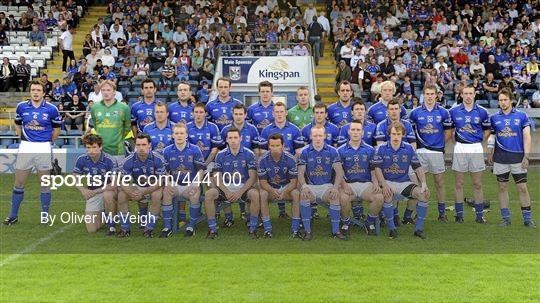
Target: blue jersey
point(153, 165)
point(318, 164)
point(508, 131)
point(86, 166)
point(338, 114)
point(357, 163)
point(469, 126)
point(249, 133)
point(230, 165)
point(206, 137)
point(381, 134)
point(180, 113)
point(429, 126)
point(159, 138)
point(395, 163)
point(221, 113)
point(37, 123)
point(292, 138)
point(332, 133)
point(183, 164)
point(260, 116)
point(277, 173)
point(142, 114)
point(368, 137)
point(379, 111)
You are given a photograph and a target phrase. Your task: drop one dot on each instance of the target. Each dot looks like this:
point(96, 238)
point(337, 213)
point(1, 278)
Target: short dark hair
point(223, 79)
point(393, 102)
point(36, 82)
point(199, 104)
point(357, 101)
point(276, 136)
point(240, 106)
point(320, 105)
point(232, 130)
point(91, 139)
point(148, 80)
point(507, 92)
point(266, 84)
point(144, 136)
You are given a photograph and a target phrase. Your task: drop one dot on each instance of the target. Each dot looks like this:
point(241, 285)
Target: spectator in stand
point(75, 113)
point(168, 75)
point(7, 75)
point(37, 38)
point(22, 74)
point(344, 73)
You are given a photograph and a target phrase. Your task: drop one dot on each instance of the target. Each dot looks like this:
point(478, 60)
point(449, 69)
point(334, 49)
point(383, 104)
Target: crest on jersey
point(235, 73)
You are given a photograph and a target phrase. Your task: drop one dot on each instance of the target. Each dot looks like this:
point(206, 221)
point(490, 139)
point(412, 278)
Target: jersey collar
point(511, 112)
point(389, 145)
point(42, 104)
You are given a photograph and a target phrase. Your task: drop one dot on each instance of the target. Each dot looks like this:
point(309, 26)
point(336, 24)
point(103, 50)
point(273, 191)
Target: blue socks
point(313, 209)
point(388, 210)
point(212, 224)
point(267, 224)
point(281, 207)
point(479, 210)
point(305, 213)
point(526, 213)
point(143, 212)
point(459, 209)
point(505, 214)
point(371, 219)
point(194, 213)
point(45, 198)
point(295, 225)
point(152, 219)
point(110, 218)
point(421, 211)
point(441, 207)
point(167, 215)
point(334, 212)
point(229, 216)
point(16, 200)
point(253, 221)
point(124, 221)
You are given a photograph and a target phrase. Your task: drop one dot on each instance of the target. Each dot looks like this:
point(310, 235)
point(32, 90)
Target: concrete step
point(331, 80)
point(319, 70)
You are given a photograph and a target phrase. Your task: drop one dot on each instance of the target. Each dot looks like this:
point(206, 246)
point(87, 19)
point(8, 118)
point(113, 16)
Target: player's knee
point(477, 185)
point(253, 195)
point(522, 188)
point(263, 194)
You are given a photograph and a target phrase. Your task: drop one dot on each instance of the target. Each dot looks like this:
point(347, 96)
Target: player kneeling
point(234, 178)
point(320, 175)
point(278, 180)
point(145, 168)
point(359, 180)
point(392, 161)
point(185, 164)
point(100, 166)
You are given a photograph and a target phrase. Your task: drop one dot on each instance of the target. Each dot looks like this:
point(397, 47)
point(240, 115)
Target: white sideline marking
point(34, 245)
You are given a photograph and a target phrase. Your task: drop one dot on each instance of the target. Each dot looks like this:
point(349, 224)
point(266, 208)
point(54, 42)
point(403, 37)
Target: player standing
point(471, 124)
point(260, 113)
point(182, 111)
point(38, 124)
point(204, 134)
point(160, 131)
point(392, 161)
point(320, 113)
point(95, 162)
point(378, 111)
point(185, 163)
point(302, 113)
point(278, 176)
point(431, 123)
point(220, 110)
point(320, 175)
point(339, 113)
point(368, 128)
point(235, 178)
point(359, 180)
point(142, 112)
point(509, 148)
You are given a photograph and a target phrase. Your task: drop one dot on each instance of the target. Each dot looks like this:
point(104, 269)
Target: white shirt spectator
point(442, 28)
point(95, 97)
point(400, 69)
point(179, 37)
point(402, 15)
point(490, 27)
point(325, 23)
point(108, 60)
point(346, 52)
point(285, 51)
point(115, 35)
point(271, 4)
point(391, 43)
point(67, 40)
point(309, 14)
point(300, 50)
point(536, 96)
point(92, 60)
point(392, 21)
point(120, 27)
point(355, 59)
point(261, 8)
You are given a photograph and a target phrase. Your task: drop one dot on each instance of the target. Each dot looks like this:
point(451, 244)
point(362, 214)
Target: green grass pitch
point(457, 263)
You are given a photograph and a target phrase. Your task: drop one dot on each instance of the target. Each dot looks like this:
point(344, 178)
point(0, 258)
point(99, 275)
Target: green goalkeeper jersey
point(112, 123)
